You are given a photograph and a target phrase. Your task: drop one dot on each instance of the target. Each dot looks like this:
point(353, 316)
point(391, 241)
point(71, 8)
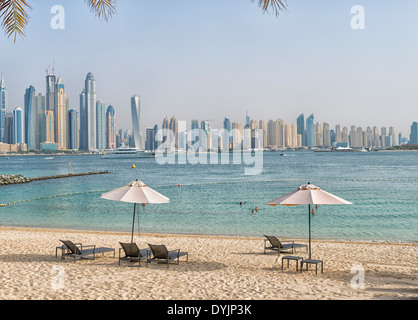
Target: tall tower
point(3, 105)
point(100, 125)
point(18, 126)
point(301, 128)
point(61, 115)
point(174, 127)
point(73, 129)
point(136, 117)
point(310, 131)
point(110, 128)
point(90, 112)
point(31, 117)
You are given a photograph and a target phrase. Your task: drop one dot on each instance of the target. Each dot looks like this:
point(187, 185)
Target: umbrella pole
point(133, 225)
point(309, 231)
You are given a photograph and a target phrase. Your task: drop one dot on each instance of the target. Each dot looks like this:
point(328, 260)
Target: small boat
point(50, 158)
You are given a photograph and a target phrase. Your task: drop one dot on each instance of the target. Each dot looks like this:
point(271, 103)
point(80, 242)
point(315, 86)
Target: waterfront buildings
point(19, 126)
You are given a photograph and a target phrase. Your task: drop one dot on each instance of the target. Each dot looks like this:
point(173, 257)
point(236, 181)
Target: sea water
point(205, 198)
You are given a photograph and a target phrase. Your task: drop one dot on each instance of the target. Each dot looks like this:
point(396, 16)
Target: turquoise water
point(382, 185)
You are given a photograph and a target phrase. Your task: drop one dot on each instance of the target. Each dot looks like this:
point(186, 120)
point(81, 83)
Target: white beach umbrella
point(135, 192)
point(310, 195)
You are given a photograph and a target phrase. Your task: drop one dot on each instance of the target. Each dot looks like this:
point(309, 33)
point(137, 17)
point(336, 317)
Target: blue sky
point(214, 59)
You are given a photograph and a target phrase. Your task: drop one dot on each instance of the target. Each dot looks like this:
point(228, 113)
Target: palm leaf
point(102, 8)
point(15, 18)
point(275, 5)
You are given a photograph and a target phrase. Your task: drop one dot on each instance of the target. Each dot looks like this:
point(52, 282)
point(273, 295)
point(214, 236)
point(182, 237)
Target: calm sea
point(382, 185)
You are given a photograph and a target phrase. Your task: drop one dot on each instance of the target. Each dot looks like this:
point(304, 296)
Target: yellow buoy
point(133, 166)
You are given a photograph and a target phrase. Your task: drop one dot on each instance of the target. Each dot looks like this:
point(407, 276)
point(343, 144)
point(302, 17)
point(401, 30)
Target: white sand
point(218, 268)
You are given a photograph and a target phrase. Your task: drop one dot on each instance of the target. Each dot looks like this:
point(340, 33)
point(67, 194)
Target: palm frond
point(15, 17)
point(102, 8)
point(275, 5)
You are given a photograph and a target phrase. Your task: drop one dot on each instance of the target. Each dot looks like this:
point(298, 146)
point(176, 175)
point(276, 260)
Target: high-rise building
point(247, 119)
point(110, 128)
point(174, 127)
point(40, 108)
point(310, 131)
point(226, 139)
point(413, 138)
point(19, 126)
point(90, 111)
point(50, 92)
point(326, 134)
point(9, 130)
point(301, 128)
point(73, 130)
point(61, 115)
point(150, 138)
point(31, 119)
point(100, 125)
point(83, 122)
point(3, 108)
point(136, 117)
point(49, 127)
point(262, 126)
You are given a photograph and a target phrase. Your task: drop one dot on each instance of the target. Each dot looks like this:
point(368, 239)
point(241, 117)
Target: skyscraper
point(310, 131)
point(110, 128)
point(83, 145)
point(413, 139)
point(40, 108)
point(61, 115)
point(50, 92)
point(136, 120)
point(18, 126)
point(49, 127)
point(73, 130)
point(100, 125)
point(3, 105)
point(174, 127)
point(90, 111)
point(301, 128)
point(31, 117)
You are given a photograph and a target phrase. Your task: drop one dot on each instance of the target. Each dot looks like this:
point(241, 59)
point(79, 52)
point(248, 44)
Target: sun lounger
point(133, 253)
point(161, 254)
point(80, 251)
point(281, 246)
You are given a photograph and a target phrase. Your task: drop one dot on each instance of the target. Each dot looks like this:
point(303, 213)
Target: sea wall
point(7, 179)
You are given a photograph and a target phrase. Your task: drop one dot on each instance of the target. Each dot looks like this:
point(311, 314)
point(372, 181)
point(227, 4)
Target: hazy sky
point(215, 58)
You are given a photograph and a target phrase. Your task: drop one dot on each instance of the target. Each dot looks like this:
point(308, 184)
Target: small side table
point(312, 261)
point(295, 258)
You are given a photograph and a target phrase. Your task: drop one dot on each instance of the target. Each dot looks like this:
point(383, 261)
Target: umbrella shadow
point(23, 257)
point(190, 266)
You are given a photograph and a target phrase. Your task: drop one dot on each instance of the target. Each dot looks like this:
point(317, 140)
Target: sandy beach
point(219, 268)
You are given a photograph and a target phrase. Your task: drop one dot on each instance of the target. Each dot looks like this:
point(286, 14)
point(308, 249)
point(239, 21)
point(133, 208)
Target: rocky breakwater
point(6, 179)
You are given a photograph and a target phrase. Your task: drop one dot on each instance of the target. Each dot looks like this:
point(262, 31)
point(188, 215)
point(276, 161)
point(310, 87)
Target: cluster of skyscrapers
point(273, 134)
point(46, 122)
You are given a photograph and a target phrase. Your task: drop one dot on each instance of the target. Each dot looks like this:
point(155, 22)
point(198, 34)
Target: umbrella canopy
point(135, 192)
point(310, 195)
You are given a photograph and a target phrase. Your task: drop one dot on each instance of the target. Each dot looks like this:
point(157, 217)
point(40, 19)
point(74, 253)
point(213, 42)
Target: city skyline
point(318, 63)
